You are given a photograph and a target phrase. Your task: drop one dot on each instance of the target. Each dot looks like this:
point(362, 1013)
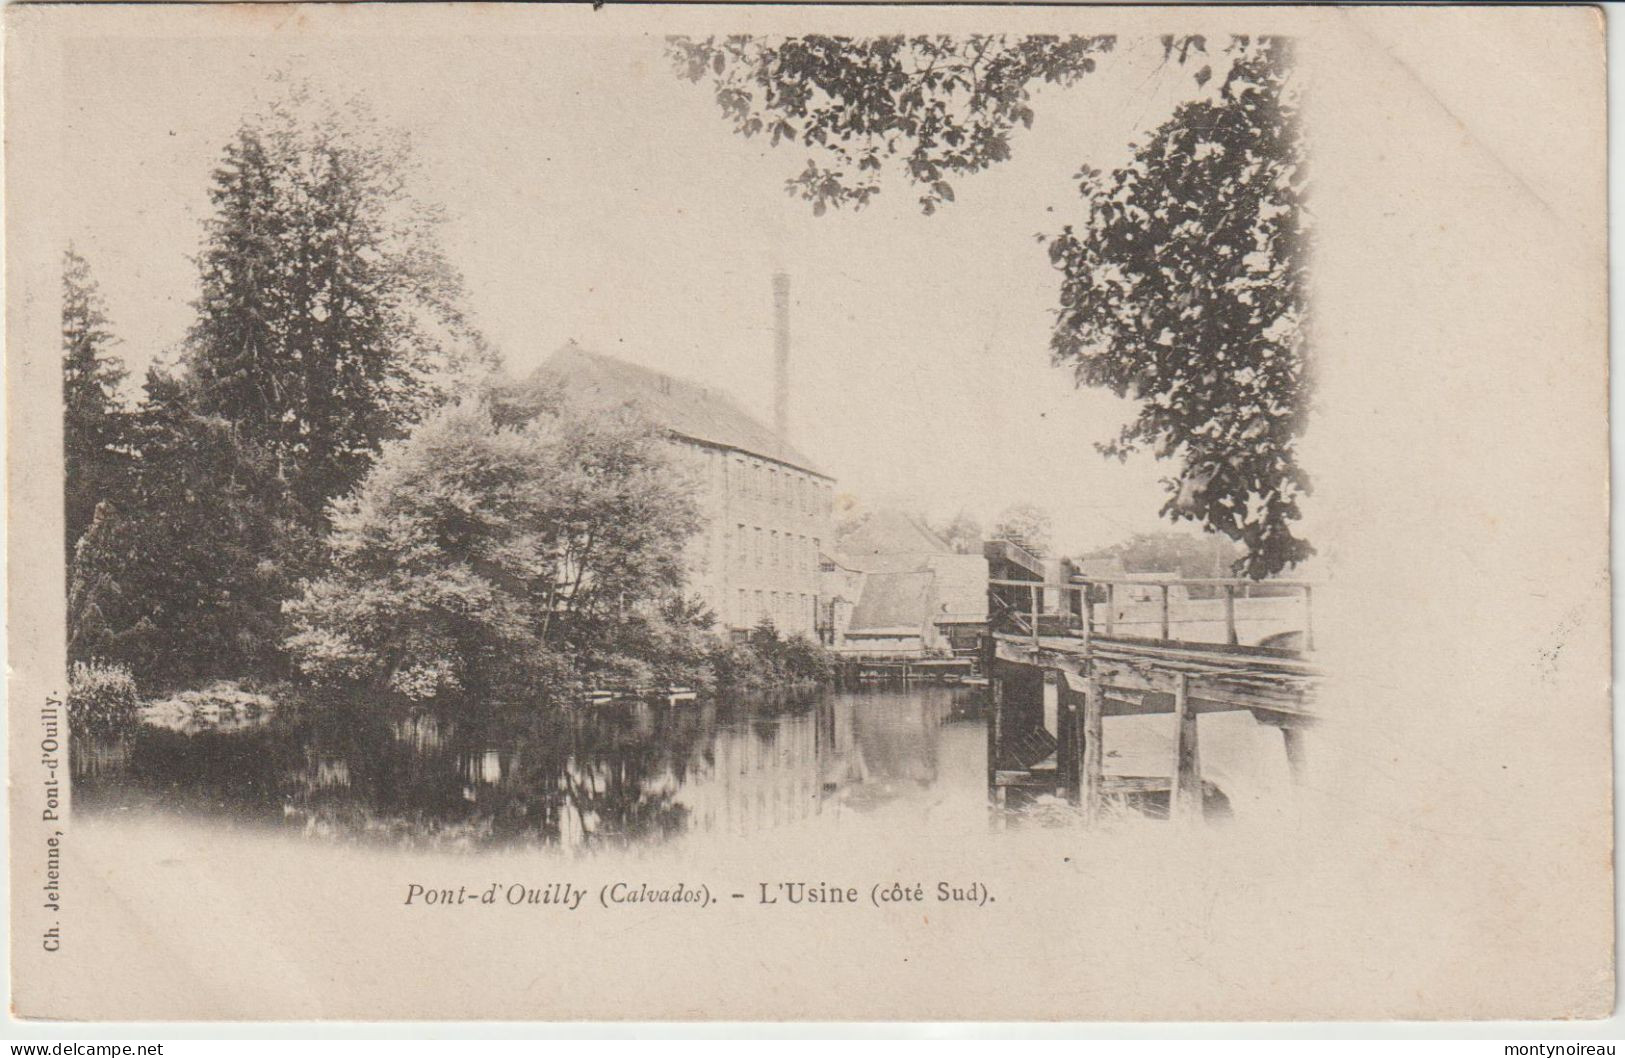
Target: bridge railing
point(1154, 609)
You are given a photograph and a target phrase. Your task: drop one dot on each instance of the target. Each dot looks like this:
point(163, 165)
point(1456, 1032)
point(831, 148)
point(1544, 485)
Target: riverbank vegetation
point(100, 696)
point(327, 487)
point(489, 559)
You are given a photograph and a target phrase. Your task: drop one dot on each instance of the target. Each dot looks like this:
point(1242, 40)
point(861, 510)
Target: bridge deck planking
point(1093, 667)
point(1140, 677)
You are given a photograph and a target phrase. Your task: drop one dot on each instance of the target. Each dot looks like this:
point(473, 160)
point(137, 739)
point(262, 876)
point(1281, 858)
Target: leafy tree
point(850, 517)
point(328, 321)
point(1026, 524)
point(485, 559)
point(1184, 287)
point(962, 533)
point(1186, 291)
point(94, 421)
point(939, 106)
point(1190, 555)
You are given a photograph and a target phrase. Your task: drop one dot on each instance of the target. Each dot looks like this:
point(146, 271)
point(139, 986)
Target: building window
point(760, 612)
point(741, 616)
point(742, 548)
point(758, 546)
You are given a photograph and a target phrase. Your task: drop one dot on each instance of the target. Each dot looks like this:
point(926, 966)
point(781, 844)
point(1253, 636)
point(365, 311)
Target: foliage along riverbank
point(104, 698)
point(331, 487)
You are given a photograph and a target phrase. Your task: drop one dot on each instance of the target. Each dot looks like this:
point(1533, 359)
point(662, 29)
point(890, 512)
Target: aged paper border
point(33, 486)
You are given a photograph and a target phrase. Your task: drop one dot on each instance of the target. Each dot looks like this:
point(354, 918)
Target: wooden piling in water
point(1093, 749)
point(1185, 798)
point(995, 715)
point(1056, 675)
point(1069, 743)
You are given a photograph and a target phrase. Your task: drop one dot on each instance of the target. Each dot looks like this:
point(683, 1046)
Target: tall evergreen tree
point(94, 421)
point(328, 320)
point(327, 325)
point(183, 576)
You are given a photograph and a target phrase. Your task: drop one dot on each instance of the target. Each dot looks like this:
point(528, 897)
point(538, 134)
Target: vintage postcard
point(808, 512)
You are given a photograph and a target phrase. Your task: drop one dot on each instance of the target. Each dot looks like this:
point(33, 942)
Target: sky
point(594, 196)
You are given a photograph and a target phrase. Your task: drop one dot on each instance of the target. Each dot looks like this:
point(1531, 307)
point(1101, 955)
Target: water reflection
point(618, 774)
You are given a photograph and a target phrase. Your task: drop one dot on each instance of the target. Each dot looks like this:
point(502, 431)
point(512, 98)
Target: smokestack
point(781, 354)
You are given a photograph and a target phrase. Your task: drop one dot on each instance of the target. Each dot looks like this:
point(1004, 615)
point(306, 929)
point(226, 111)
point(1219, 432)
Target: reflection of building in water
point(900, 744)
point(881, 744)
point(863, 750)
point(761, 775)
point(840, 761)
point(583, 777)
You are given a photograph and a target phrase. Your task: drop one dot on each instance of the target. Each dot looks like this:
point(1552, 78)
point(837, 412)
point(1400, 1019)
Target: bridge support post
point(1070, 752)
point(1093, 750)
point(1067, 745)
point(995, 719)
point(1185, 799)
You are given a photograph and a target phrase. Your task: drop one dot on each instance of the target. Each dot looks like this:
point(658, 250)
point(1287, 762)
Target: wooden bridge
point(1062, 657)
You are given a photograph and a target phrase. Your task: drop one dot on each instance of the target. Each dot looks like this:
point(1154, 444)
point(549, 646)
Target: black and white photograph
point(650, 512)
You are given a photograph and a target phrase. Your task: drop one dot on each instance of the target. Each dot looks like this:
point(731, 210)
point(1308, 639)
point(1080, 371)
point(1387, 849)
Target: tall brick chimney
point(781, 355)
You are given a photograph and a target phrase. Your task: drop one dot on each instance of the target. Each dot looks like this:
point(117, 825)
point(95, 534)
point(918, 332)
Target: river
point(617, 774)
point(832, 764)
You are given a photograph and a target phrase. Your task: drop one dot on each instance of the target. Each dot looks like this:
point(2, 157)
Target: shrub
point(767, 658)
point(804, 661)
point(101, 695)
point(735, 666)
point(486, 561)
